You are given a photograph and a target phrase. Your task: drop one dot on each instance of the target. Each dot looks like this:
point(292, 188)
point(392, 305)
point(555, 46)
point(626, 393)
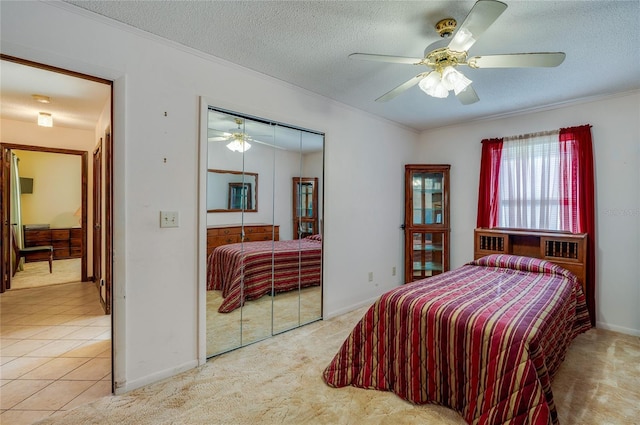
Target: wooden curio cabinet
point(426, 221)
point(305, 207)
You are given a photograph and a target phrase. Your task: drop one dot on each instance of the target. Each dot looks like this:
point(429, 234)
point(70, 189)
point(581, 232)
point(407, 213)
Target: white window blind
point(530, 182)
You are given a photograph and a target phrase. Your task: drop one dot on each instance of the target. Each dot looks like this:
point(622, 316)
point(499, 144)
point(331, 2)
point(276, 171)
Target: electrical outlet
point(169, 219)
point(393, 271)
point(370, 276)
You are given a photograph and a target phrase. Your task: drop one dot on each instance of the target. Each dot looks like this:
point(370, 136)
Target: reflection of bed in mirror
point(278, 153)
point(249, 270)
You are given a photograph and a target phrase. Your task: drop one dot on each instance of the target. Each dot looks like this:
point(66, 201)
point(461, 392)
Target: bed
point(243, 271)
point(485, 340)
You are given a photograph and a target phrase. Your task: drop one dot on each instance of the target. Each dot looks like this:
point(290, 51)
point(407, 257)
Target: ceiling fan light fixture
point(463, 39)
point(432, 85)
point(454, 80)
point(40, 98)
point(239, 146)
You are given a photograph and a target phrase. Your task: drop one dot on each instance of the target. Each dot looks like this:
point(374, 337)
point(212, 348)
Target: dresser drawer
point(57, 244)
point(253, 237)
point(249, 230)
point(66, 242)
point(222, 240)
point(60, 235)
point(61, 253)
point(224, 231)
point(37, 237)
point(220, 235)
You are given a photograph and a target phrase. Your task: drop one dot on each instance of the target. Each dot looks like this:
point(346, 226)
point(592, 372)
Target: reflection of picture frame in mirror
point(239, 196)
point(232, 191)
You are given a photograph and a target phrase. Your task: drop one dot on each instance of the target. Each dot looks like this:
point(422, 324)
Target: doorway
point(48, 211)
point(75, 132)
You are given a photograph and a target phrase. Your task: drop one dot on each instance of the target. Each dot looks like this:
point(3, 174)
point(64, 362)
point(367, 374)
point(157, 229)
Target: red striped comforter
point(243, 271)
point(485, 340)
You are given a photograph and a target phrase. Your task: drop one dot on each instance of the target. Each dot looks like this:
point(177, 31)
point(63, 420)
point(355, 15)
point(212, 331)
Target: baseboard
point(347, 309)
point(155, 377)
point(620, 329)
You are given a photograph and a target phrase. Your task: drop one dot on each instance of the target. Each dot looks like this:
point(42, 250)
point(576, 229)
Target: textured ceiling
point(307, 43)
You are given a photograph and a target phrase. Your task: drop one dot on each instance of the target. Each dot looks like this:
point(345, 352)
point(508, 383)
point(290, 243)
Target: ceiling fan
point(442, 75)
point(237, 138)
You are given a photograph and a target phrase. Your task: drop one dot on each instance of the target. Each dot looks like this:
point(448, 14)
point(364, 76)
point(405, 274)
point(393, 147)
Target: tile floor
point(55, 351)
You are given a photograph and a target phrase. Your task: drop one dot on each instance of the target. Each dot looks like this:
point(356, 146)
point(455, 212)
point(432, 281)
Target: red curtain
point(579, 173)
point(488, 190)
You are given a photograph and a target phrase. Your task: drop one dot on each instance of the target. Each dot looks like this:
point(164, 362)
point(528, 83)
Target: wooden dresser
point(232, 233)
point(66, 242)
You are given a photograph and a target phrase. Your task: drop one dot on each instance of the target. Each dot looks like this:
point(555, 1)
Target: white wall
point(156, 168)
point(57, 188)
point(616, 138)
point(25, 133)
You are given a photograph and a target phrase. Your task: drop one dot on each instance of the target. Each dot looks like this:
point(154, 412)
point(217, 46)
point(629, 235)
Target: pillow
point(528, 264)
point(317, 237)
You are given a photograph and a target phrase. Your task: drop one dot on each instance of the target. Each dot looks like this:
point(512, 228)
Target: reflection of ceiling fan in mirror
point(442, 75)
point(238, 140)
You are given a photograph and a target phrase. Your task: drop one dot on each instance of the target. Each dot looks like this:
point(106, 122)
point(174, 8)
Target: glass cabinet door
point(428, 254)
point(305, 210)
point(426, 221)
point(427, 198)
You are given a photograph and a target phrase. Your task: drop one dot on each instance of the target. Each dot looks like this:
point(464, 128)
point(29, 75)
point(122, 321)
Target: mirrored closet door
point(263, 276)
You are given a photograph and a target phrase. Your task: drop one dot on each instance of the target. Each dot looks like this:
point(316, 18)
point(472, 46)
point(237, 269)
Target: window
point(239, 196)
point(529, 183)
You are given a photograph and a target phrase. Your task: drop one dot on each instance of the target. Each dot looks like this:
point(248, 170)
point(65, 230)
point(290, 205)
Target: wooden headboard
point(568, 250)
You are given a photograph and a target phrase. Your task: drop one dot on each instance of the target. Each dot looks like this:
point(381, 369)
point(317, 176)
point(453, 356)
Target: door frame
point(6, 201)
point(108, 158)
point(5, 251)
point(96, 225)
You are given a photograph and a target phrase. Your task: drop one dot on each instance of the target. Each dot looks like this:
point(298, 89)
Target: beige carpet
point(258, 318)
point(278, 381)
point(37, 274)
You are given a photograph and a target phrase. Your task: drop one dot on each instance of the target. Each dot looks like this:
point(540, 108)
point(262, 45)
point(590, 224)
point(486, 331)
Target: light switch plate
point(169, 219)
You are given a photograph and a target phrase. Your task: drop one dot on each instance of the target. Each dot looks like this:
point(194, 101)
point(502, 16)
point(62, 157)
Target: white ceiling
point(307, 43)
point(75, 102)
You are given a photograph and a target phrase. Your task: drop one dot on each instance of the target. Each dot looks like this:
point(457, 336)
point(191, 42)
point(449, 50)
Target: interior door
point(5, 251)
point(97, 218)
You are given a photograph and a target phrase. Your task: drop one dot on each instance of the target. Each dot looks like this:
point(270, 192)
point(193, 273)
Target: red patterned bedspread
point(242, 271)
point(485, 340)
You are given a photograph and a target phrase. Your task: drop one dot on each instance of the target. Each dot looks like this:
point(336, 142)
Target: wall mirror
point(263, 265)
point(229, 190)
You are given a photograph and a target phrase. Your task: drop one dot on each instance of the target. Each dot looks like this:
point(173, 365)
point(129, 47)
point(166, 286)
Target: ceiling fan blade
point(386, 58)
point(518, 60)
point(482, 15)
point(217, 139)
point(401, 88)
point(468, 96)
point(271, 145)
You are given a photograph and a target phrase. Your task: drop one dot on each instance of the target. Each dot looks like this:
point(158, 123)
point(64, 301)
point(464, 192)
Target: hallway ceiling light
point(45, 119)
